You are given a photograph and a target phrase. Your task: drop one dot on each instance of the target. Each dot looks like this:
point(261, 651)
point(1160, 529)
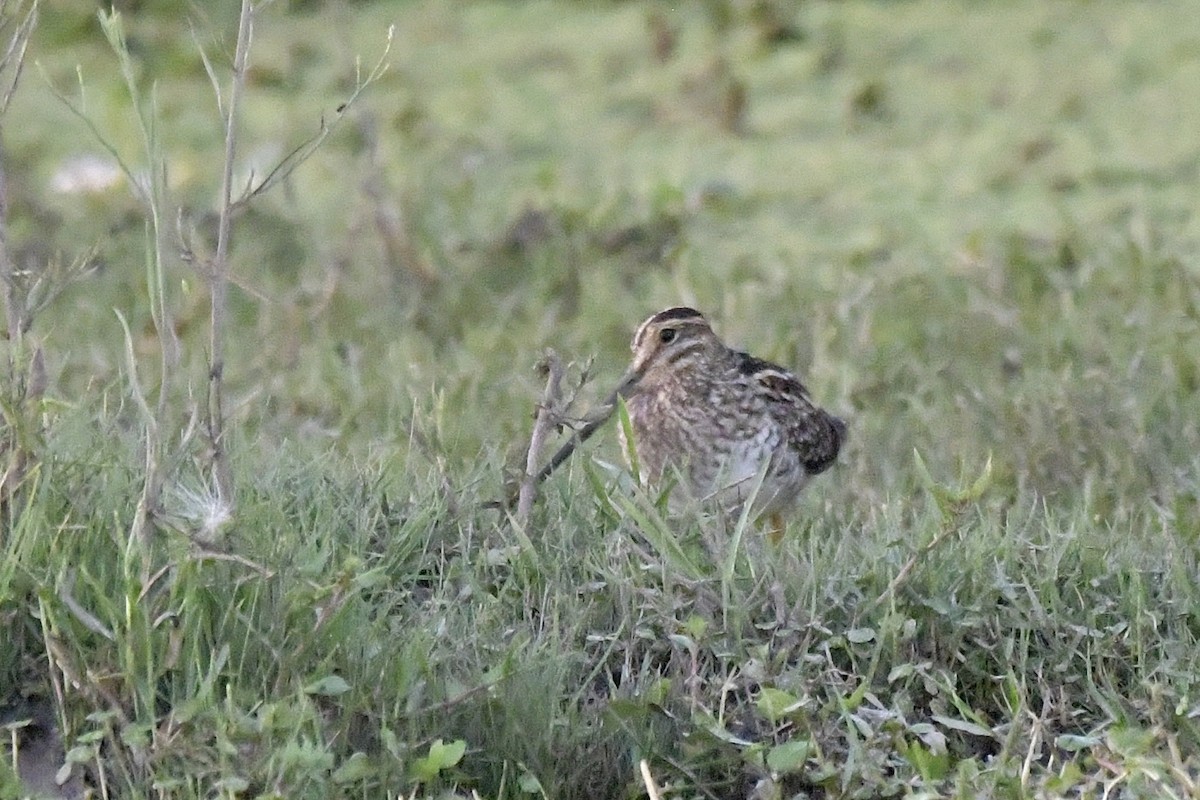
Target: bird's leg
point(776, 528)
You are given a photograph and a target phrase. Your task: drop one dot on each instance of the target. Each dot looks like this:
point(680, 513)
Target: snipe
point(721, 417)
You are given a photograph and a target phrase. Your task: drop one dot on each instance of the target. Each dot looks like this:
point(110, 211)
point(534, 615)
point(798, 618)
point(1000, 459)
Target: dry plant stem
point(85, 617)
point(151, 192)
point(547, 415)
point(949, 528)
point(219, 270)
point(14, 317)
point(564, 452)
point(648, 779)
point(581, 436)
point(21, 389)
point(299, 154)
point(13, 60)
point(12, 308)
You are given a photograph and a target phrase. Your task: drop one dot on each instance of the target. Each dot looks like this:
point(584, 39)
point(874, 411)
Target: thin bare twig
point(949, 528)
point(152, 193)
point(12, 306)
point(548, 413)
point(593, 423)
point(14, 60)
point(219, 270)
point(298, 155)
point(219, 273)
point(14, 54)
point(85, 617)
point(21, 391)
point(205, 554)
point(648, 779)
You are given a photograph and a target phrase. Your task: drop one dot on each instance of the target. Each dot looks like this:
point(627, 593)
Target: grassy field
point(971, 227)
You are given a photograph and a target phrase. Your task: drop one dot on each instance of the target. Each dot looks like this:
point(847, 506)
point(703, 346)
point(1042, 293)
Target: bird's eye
point(666, 335)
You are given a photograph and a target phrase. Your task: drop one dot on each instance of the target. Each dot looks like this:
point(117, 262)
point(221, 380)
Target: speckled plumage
point(720, 416)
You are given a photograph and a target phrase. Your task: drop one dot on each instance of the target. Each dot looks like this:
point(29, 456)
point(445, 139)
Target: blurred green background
point(969, 227)
point(860, 190)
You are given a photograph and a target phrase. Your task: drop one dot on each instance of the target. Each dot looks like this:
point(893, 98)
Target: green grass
point(970, 227)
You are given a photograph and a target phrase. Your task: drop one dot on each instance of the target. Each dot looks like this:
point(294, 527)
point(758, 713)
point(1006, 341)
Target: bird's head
point(669, 341)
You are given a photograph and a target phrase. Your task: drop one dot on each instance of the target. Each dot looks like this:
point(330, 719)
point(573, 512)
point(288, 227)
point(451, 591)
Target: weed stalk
point(24, 379)
point(218, 273)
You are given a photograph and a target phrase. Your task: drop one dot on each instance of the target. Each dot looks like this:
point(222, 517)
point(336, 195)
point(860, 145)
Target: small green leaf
point(683, 642)
point(136, 736)
point(695, 626)
point(776, 703)
point(929, 765)
point(964, 726)
point(391, 743)
point(529, 783)
point(630, 444)
point(709, 723)
point(1128, 740)
point(852, 701)
point(441, 756)
point(355, 768)
point(860, 635)
point(789, 756)
point(80, 754)
point(1074, 744)
point(330, 685)
point(233, 785)
point(657, 692)
point(164, 786)
point(1068, 777)
point(982, 483)
point(448, 754)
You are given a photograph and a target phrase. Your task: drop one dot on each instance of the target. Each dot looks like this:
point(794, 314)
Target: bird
point(719, 418)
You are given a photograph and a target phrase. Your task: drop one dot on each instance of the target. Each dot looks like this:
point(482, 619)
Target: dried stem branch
point(949, 527)
point(13, 315)
point(652, 790)
point(11, 65)
point(594, 422)
point(218, 274)
point(152, 192)
point(548, 413)
point(24, 380)
point(14, 53)
point(284, 168)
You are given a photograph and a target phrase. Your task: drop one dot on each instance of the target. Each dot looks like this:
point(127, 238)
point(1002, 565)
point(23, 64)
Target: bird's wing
point(811, 431)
